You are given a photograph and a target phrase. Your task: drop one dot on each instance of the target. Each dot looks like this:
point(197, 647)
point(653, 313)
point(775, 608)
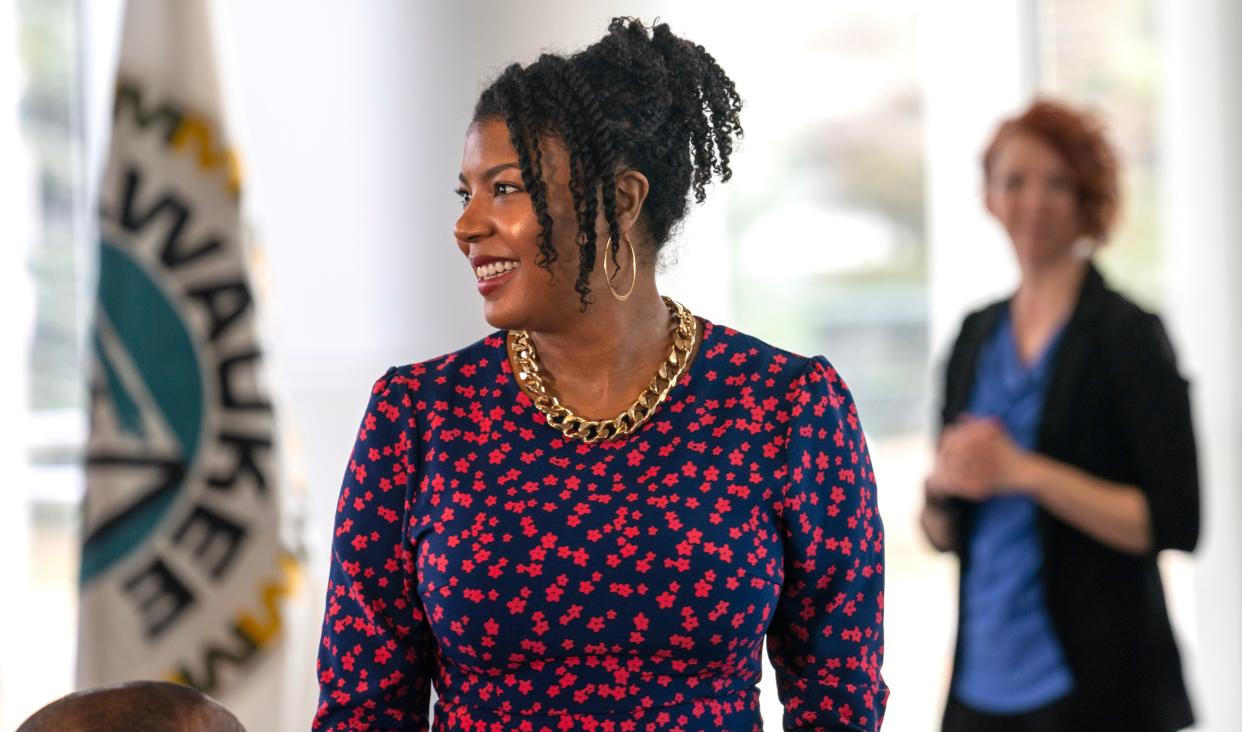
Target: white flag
point(183, 566)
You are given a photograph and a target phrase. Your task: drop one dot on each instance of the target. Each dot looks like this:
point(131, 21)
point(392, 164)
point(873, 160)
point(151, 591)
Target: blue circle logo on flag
point(147, 401)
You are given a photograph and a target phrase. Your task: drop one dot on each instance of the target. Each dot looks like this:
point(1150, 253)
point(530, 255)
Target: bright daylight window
point(50, 112)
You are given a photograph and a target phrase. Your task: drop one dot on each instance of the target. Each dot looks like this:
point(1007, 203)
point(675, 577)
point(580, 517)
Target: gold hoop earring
point(633, 269)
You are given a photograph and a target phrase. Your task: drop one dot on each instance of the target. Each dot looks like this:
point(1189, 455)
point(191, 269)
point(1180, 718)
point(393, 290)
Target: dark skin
point(597, 361)
point(137, 706)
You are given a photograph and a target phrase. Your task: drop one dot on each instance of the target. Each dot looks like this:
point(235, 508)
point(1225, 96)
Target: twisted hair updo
point(636, 99)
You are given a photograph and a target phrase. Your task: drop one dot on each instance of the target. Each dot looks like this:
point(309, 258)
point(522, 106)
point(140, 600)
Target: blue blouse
point(1011, 660)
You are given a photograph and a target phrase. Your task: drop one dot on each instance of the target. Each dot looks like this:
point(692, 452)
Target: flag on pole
point(183, 564)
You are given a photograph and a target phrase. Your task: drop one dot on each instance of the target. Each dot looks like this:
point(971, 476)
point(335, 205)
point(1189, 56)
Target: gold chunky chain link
point(590, 431)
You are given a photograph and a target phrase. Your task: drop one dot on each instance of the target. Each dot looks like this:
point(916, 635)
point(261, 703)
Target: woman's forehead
point(1026, 149)
point(489, 145)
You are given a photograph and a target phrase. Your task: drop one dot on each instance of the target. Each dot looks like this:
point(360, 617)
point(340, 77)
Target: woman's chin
point(1042, 254)
point(501, 316)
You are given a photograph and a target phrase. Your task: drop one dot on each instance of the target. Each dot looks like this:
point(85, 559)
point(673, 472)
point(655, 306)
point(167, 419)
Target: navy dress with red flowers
point(544, 584)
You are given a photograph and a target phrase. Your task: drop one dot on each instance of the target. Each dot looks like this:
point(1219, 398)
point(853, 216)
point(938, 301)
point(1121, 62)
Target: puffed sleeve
point(826, 640)
point(376, 650)
point(1156, 426)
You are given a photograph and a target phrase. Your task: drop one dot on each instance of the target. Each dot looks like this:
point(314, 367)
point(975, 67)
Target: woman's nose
point(1036, 199)
point(471, 225)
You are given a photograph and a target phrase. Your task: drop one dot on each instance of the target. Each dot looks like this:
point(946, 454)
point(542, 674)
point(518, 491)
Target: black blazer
point(1117, 408)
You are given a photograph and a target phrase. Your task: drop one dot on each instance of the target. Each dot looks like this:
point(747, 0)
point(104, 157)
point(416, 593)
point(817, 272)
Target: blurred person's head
point(138, 706)
point(1051, 181)
point(572, 158)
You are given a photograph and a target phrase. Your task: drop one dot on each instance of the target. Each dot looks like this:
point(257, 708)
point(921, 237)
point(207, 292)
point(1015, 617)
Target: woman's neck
point(1045, 299)
point(600, 361)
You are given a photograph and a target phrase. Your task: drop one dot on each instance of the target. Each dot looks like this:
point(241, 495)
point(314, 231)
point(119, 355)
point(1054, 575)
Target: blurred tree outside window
point(51, 123)
point(827, 234)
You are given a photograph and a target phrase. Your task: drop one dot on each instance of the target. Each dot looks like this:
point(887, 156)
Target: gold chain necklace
point(591, 430)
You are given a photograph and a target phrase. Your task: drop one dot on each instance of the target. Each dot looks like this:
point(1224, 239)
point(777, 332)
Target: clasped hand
point(975, 460)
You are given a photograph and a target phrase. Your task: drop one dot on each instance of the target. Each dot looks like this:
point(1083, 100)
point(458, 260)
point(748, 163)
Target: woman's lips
point(488, 285)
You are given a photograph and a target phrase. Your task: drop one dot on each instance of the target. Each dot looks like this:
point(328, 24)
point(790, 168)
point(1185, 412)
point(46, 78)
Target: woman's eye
point(1061, 185)
point(506, 188)
point(464, 195)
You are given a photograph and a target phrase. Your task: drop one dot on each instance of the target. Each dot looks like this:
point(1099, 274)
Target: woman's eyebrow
point(491, 171)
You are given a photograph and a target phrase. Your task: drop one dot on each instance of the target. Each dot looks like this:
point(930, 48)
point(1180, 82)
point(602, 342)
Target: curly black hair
point(637, 99)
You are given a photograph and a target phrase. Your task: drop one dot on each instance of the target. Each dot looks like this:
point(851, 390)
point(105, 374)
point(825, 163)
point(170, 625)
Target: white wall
point(1201, 190)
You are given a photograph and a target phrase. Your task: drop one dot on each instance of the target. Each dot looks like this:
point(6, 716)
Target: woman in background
point(590, 519)
point(1065, 464)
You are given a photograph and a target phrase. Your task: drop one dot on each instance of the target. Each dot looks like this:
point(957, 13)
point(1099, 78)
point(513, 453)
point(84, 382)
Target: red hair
point(1078, 137)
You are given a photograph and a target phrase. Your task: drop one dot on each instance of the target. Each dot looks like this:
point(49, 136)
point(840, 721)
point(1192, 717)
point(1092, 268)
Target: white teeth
point(493, 269)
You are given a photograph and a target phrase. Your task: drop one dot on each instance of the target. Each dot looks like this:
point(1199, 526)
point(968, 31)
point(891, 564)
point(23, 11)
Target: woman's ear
point(632, 188)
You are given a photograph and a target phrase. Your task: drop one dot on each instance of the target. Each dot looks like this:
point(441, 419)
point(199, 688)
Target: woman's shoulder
point(742, 355)
point(1129, 331)
point(740, 348)
point(982, 318)
point(478, 362)
point(1117, 311)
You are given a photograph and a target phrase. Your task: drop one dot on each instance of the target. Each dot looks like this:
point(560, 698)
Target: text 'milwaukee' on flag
point(184, 567)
